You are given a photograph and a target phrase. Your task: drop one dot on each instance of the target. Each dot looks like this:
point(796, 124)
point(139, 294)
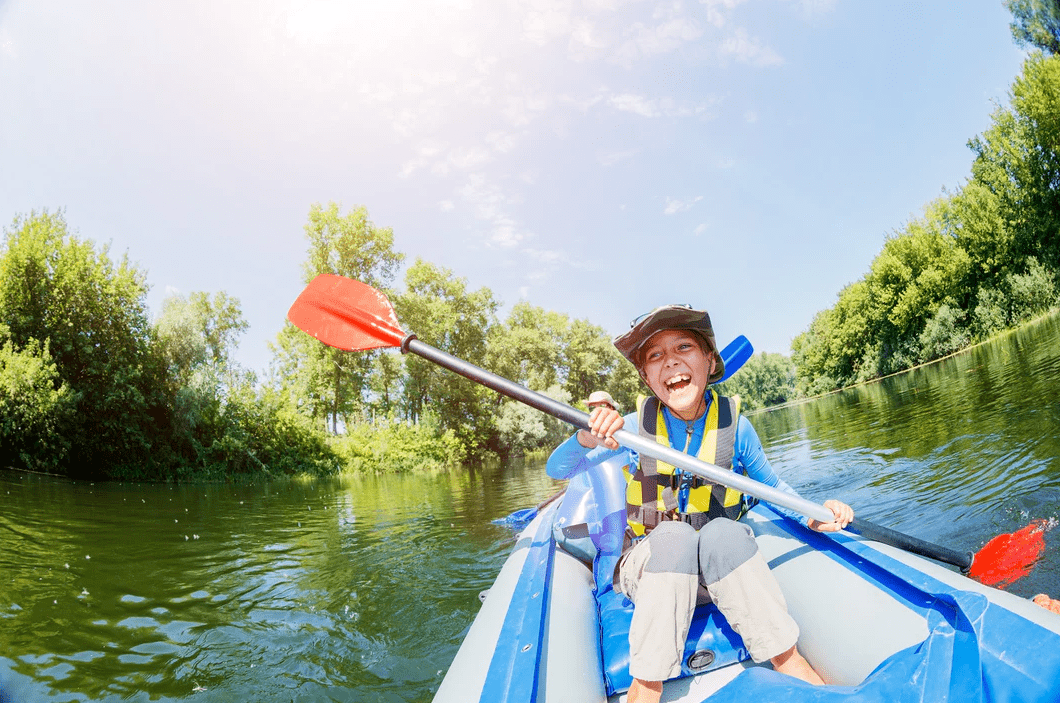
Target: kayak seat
point(711, 642)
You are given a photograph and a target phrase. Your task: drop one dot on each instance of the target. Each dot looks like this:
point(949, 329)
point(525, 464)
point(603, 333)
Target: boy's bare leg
point(644, 692)
point(794, 664)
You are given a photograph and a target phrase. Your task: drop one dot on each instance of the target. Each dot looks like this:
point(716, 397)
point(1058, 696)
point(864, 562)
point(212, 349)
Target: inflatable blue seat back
point(711, 642)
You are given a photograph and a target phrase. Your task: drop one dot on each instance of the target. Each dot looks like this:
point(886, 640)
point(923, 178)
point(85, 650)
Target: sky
point(594, 157)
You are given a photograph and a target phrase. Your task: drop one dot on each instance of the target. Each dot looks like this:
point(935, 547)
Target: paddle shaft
point(710, 472)
point(552, 498)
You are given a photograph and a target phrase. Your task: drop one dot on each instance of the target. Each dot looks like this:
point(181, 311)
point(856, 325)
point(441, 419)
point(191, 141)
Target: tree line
point(980, 259)
point(91, 387)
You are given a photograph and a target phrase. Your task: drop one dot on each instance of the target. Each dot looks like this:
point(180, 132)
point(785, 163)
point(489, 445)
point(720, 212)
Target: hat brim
point(671, 318)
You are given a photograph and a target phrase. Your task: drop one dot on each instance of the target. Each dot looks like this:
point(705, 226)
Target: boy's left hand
point(843, 515)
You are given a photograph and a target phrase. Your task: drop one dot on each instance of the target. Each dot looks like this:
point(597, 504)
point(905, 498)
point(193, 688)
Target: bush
point(944, 333)
point(261, 433)
point(991, 313)
point(1030, 293)
point(523, 429)
point(393, 446)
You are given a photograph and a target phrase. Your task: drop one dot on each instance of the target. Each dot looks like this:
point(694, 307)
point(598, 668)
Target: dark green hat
point(670, 317)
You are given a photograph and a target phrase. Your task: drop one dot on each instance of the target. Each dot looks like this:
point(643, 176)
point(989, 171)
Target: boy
point(683, 532)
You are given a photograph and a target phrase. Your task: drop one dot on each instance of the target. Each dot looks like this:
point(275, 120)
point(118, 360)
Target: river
point(360, 589)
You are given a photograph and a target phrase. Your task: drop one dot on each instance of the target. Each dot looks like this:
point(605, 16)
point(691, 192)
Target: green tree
point(325, 382)
point(766, 379)
point(197, 335)
point(386, 381)
point(1018, 161)
point(528, 347)
point(877, 323)
point(978, 261)
point(593, 363)
point(199, 329)
point(944, 333)
point(976, 222)
point(439, 308)
point(1036, 23)
point(60, 290)
point(1014, 298)
point(35, 407)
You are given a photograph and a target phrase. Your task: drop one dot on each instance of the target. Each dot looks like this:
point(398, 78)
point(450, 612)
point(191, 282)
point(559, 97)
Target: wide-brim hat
point(601, 397)
point(670, 317)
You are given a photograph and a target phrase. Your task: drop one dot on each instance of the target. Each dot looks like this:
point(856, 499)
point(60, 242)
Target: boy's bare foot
point(794, 664)
point(644, 692)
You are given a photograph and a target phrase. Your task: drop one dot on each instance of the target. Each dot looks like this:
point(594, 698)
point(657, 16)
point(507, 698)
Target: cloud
point(547, 20)
point(611, 158)
point(446, 205)
point(701, 229)
point(490, 203)
point(644, 41)
point(502, 142)
point(814, 7)
point(674, 206)
point(463, 159)
point(655, 107)
point(718, 9)
point(637, 104)
point(748, 50)
point(7, 46)
point(522, 107)
point(548, 256)
point(425, 154)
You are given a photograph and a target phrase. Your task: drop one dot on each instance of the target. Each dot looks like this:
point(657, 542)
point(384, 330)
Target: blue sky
point(594, 157)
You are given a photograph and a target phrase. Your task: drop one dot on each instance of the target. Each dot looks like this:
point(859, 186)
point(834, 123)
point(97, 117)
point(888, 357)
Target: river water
point(361, 589)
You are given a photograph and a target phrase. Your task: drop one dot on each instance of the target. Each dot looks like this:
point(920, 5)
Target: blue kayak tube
point(880, 625)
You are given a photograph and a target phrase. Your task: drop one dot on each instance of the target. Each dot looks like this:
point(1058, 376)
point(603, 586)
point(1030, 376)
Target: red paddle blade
point(1007, 558)
point(346, 314)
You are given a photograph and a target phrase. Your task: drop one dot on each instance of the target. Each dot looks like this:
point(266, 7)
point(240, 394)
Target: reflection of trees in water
point(977, 427)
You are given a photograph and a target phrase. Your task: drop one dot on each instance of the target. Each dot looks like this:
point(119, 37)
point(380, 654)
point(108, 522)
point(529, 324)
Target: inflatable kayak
point(877, 623)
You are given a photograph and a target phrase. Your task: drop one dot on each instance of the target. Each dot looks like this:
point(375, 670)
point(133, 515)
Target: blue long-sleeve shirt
point(571, 458)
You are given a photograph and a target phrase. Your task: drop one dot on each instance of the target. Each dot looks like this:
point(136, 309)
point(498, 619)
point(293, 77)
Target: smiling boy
point(682, 532)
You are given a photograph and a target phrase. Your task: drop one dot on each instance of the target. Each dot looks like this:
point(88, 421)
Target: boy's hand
point(603, 423)
point(843, 515)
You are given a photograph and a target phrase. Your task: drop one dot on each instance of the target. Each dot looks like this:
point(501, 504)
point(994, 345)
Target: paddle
point(351, 315)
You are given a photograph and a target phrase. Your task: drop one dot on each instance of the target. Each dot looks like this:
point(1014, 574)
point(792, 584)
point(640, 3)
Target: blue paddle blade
point(735, 354)
point(517, 519)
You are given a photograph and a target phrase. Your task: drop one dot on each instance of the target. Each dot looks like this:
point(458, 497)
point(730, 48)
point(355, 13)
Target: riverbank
point(1008, 332)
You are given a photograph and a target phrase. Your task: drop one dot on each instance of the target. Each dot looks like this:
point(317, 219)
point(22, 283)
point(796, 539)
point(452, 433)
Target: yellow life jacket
point(651, 492)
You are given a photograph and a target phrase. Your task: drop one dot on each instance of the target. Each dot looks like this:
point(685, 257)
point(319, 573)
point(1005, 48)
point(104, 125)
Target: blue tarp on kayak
point(976, 652)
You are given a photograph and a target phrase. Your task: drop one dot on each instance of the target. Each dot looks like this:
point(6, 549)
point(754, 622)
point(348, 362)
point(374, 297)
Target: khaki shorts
point(662, 574)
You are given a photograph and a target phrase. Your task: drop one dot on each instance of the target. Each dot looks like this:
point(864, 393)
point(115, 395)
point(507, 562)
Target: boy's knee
point(724, 545)
point(674, 549)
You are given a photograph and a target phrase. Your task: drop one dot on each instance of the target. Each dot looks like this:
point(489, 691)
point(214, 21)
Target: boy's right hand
point(603, 423)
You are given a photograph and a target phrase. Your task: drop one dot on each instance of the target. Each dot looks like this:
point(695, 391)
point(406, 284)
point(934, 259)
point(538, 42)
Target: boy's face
point(677, 370)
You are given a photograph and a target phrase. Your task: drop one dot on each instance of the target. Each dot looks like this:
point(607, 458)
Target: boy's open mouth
point(678, 382)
